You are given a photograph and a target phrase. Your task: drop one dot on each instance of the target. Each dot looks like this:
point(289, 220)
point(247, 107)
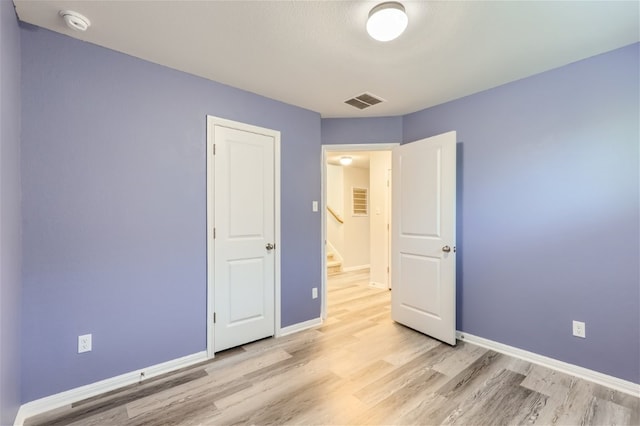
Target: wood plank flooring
point(359, 367)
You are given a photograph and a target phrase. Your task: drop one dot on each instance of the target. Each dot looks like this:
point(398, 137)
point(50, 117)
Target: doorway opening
point(356, 219)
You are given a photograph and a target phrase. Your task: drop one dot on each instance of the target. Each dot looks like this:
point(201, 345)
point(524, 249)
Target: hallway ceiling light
point(345, 160)
point(387, 21)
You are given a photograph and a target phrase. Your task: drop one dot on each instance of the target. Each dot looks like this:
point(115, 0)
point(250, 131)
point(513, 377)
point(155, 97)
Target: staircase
point(334, 266)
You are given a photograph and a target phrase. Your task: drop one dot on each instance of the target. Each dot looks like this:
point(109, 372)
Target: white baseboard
point(300, 326)
point(378, 285)
point(554, 364)
point(61, 399)
point(355, 268)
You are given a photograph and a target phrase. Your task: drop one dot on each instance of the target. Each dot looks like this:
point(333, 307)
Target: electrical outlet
point(579, 329)
point(314, 293)
point(84, 343)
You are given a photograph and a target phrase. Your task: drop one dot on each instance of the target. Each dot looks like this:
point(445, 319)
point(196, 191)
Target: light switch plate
point(314, 206)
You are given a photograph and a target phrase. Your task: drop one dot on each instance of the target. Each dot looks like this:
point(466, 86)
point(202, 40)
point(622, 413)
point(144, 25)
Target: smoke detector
point(75, 21)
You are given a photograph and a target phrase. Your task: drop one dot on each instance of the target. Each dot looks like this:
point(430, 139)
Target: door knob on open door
point(446, 249)
point(270, 246)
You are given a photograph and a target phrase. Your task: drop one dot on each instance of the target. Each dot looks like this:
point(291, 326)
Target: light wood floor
point(358, 368)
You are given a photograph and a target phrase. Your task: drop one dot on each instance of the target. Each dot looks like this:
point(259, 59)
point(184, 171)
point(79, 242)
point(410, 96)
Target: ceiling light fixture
point(345, 160)
point(387, 21)
point(75, 21)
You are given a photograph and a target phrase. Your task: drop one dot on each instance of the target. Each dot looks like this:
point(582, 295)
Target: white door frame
point(211, 122)
point(323, 250)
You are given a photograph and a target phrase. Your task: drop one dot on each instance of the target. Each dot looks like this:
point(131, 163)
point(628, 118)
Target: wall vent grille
point(360, 201)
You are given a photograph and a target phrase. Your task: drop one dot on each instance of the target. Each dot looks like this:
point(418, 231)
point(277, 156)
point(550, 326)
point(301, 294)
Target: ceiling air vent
point(363, 101)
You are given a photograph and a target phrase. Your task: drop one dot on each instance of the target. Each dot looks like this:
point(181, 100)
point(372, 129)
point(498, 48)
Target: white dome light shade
point(387, 21)
point(75, 21)
point(345, 160)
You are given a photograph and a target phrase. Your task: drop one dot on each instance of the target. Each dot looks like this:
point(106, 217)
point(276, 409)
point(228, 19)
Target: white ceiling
point(316, 54)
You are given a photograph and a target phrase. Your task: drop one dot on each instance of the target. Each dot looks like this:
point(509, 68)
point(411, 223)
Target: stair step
point(334, 267)
point(333, 270)
point(330, 255)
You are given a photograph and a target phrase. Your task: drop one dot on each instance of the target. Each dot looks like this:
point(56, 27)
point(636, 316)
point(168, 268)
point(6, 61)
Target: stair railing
point(335, 215)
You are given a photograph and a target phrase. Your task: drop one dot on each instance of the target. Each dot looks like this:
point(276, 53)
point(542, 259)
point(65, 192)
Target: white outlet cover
point(84, 343)
point(579, 329)
point(314, 293)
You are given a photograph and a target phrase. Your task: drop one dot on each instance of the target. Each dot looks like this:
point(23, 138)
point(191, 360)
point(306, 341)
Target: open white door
point(423, 236)
point(242, 264)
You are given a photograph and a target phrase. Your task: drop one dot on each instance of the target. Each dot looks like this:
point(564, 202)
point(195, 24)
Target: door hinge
point(387, 226)
point(214, 233)
point(214, 317)
point(214, 149)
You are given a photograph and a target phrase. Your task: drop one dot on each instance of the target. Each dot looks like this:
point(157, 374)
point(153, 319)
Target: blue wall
point(548, 222)
point(341, 131)
point(114, 218)
point(10, 230)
